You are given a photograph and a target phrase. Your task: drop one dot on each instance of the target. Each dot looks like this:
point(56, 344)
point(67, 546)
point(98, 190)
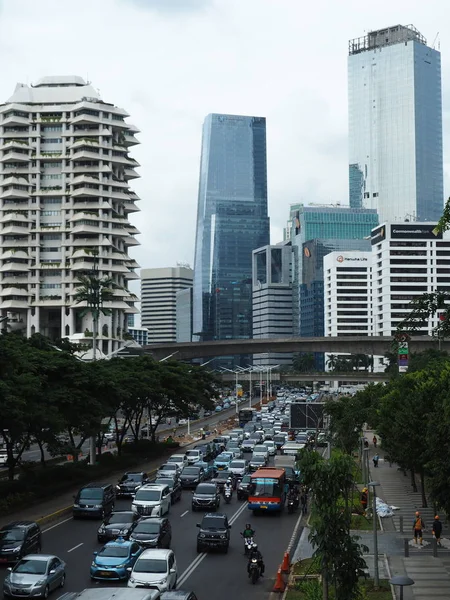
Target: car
point(174, 487)
point(112, 562)
point(220, 443)
point(156, 569)
point(257, 436)
point(242, 489)
point(256, 462)
point(182, 421)
point(95, 500)
point(179, 459)
point(234, 449)
point(292, 477)
point(238, 467)
point(152, 500)
point(130, 483)
point(207, 496)
point(18, 539)
point(117, 524)
point(268, 433)
point(221, 477)
point(152, 532)
point(178, 595)
point(218, 408)
point(222, 461)
point(214, 533)
point(208, 468)
point(261, 450)
point(35, 575)
point(271, 448)
point(248, 445)
point(191, 476)
point(239, 432)
point(280, 440)
point(168, 470)
point(194, 456)
point(208, 450)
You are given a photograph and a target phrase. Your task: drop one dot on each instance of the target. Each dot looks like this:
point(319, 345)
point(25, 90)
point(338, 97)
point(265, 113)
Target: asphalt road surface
point(222, 576)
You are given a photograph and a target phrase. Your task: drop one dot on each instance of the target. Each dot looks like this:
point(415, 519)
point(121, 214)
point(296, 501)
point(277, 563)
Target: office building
point(130, 321)
point(184, 315)
point(159, 288)
point(395, 125)
point(272, 299)
point(139, 335)
point(65, 203)
point(232, 221)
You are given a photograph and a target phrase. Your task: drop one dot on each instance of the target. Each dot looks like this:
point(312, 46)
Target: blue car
point(207, 468)
point(222, 461)
point(112, 561)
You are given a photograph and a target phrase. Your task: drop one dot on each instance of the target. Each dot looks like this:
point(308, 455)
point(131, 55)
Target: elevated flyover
point(351, 377)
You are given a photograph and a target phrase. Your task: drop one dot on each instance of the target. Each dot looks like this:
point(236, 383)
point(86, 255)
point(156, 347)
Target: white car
point(270, 445)
point(168, 470)
point(194, 456)
point(152, 500)
point(155, 569)
point(261, 450)
point(179, 459)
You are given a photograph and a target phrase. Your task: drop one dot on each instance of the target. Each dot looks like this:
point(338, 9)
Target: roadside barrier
point(280, 584)
point(285, 565)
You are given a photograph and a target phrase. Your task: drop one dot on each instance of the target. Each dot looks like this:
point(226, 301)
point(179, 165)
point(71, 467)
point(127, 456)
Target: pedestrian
point(304, 502)
point(375, 459)
point(437, 529)
point(366, 443)
point(375, 441)
point(418, 527)
point(364, 500)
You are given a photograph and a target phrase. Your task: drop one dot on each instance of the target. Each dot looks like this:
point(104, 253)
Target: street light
point(376, 579)
point(269, 383)
point(236, 389)
point(402, 581)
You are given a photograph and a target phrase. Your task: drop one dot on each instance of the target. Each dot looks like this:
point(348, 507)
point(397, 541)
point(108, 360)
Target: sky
point(171, 62)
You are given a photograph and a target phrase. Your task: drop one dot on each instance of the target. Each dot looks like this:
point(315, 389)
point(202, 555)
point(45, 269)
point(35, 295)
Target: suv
point(130, 483)
point(214, 533)
point(18, 539)
point(207, 496)
point(94, 500)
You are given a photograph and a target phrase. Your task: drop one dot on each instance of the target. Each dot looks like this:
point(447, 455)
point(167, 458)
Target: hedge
point(36, 483)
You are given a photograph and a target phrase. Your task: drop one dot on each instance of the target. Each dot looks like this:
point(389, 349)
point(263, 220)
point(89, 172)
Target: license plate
point(104, 573)
point(263, 506)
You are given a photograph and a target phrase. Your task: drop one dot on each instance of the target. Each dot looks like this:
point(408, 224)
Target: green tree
point(303, 362)
point(346, 422)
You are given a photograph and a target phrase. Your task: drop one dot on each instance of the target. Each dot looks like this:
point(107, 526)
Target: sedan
point(117, 524)
point(222, 461)
point(248, 445)
point(180, 459)
point(114, 560)
point(129, 483)
point(168, 470)
point(35, 575)
point(174, 487)
point(238, 468)
point(152, 533)
point(191, 476)
point(234, 449)
point(257, 462)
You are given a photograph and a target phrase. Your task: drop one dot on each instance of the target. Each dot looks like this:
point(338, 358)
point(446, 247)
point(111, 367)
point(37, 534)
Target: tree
point(303, 362)
point(346, 422)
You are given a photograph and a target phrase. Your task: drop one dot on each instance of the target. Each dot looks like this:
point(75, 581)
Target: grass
point(366, 585)
point(307, 566)
point(362, 523)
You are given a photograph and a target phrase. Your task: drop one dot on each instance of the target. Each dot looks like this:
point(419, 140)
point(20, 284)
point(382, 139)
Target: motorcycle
point(248, 543)
point(292, 504)
point(254, 570)
point(227, 494)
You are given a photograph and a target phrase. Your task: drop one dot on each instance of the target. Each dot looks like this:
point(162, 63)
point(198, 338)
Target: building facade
point(139, 335)
point(159, 288)
point(232, 221)
point(65, 203)
point(272, 299)
point(395, 125)
point(184, 315)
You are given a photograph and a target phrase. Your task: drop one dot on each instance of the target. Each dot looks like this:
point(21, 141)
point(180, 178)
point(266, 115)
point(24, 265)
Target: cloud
point(170, 6)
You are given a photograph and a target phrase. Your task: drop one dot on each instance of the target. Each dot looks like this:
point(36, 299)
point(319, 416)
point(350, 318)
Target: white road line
point(75, 547)
point(57, 524)
point(201, 557)
point(185, 513)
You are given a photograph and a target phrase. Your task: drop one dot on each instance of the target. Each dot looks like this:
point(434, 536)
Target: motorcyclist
point(255, 553)
point(228, 487)
point(248, 531)
point(294, 495)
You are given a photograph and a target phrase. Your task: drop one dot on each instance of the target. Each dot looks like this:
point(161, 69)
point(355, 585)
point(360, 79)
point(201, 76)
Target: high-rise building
point(184, 315)
point(130, 321)
point(395, 125)
point(232, 221)
point(272, 299)
point(65, 202)
point(139, 335)
point(159, 288)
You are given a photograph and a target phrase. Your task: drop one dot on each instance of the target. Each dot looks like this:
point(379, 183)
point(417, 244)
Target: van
point(94, 500)
point(112, 593)
point(292, 448)
point(152, 500)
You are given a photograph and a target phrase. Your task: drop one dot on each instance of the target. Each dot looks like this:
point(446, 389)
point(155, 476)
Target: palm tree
point(332, 361)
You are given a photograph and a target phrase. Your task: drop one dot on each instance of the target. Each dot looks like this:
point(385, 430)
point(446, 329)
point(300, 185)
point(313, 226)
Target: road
point(225, 575)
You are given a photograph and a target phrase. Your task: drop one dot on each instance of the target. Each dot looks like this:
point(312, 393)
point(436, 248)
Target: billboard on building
point(412, 230)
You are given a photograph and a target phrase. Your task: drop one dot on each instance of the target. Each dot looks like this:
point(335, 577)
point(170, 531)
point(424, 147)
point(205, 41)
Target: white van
point(292, 448)
point(152, 500)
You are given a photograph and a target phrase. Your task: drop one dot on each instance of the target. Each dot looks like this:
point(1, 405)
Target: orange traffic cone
point(279, 582)
point(285, 565)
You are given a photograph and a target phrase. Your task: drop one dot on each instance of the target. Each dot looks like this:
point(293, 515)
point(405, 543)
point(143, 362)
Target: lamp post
point(402, 581)
point(376, 579)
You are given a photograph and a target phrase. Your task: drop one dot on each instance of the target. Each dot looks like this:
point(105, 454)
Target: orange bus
point(267, 489)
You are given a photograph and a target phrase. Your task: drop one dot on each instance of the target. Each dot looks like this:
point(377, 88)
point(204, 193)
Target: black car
point(221, 478)
point(152, 533)
point(118, 524)
point(94, 500)
point(209, 452)
point(191, 476)
point(130, 483)
point(206, 496)
point(248, 445)
point(18, 539)
point(214, 533)
point(242, 488)
point(174, 487)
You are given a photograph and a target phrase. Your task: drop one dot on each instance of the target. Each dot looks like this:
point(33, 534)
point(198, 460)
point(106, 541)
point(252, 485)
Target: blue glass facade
point(232, 221)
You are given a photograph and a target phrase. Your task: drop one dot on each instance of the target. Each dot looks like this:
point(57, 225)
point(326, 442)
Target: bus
point(246, 416)
point(267, 489)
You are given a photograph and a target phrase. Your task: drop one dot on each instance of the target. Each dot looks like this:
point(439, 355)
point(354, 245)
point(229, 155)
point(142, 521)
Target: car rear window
point(206, 489)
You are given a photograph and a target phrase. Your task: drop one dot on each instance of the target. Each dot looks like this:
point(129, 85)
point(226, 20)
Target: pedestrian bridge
point(370, 345)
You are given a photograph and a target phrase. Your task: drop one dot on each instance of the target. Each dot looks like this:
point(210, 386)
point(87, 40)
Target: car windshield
point(237, 464)
point(148, 495)
point(114, 551)
point(147, 527)
point(205, 489)
point(91, 494)
point(16, 534)
point(266, 487)
point(223, 457)
point(175, 459)
point(131, 477)
point(192, 453)
point(150, 565)
point(31, 566)
point(171, 467)
point(121, 517)
point(191, 471)
point(258, 459)
point(213, 523)
point(259, 449)
point(246, 478)
point(222, 475)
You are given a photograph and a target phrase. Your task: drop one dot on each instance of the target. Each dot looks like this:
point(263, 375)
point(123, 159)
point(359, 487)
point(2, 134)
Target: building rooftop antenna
point(436, 39)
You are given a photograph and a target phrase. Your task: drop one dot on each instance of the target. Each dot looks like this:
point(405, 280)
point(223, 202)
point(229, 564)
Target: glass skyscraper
point(232, 221)
point(395, 125)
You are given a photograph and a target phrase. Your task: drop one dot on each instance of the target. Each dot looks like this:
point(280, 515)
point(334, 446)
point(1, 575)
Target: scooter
point(254, 571)
point(292, 504)
point(227, 494)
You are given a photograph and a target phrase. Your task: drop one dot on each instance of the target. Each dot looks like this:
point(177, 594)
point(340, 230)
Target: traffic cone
point(279, 586)
point(285, 565)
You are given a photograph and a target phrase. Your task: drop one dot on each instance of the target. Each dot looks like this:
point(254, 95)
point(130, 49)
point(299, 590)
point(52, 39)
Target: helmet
point(248, 526)
point(365, 489)
point(229, 480)
point(255, 546)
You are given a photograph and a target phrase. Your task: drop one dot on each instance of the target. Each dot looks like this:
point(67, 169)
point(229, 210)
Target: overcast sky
point(171, 62)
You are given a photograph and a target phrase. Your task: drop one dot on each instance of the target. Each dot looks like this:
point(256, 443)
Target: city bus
point(267, 489)
point(246, 416)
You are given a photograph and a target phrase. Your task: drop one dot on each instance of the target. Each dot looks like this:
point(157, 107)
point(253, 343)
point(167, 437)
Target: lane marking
point(201, 557)
point(185, 513)
point(57, 524)
point(75, 547)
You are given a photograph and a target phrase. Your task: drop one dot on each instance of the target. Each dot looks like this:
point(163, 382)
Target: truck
point(287, 462)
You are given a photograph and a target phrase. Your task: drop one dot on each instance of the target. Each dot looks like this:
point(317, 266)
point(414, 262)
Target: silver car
point(35, 575)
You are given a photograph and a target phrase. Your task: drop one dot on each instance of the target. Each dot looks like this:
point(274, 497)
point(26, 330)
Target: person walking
point(304, 502)
point(437, 529)
point(366, 444)
point(375, 459)
point(418, 527)
point(364, 500)
point(375, 441)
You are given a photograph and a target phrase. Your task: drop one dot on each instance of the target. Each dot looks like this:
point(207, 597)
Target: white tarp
point(384, 510)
